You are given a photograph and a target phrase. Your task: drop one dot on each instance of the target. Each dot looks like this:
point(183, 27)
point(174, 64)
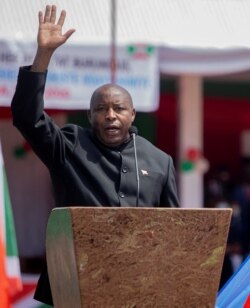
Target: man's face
point(111, 115)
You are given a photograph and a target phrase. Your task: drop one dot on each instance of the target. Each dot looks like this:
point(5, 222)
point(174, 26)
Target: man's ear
point(133, 115)
point(89, 116)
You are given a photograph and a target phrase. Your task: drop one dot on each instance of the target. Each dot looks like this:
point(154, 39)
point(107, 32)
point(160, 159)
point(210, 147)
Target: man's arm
point(27, 104)
point(49, 37)
point(169, 195)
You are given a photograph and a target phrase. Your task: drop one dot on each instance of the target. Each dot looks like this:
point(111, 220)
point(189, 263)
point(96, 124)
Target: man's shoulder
point(73, 132)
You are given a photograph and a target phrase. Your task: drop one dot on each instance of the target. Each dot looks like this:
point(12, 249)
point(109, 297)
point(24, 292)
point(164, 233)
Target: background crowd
point(224, 191)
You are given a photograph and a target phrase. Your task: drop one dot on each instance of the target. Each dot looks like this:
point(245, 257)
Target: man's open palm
point(50, 33)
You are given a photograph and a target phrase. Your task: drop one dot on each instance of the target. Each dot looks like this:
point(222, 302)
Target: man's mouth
point(112, 130)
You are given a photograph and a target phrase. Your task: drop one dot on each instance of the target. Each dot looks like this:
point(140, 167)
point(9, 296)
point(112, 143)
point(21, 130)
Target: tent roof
point(173, 23)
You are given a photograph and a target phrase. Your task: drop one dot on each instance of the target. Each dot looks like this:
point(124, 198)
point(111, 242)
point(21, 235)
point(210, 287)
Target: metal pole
point(113, 41)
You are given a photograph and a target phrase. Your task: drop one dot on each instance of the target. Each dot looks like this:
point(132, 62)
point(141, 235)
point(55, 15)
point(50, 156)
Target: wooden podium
point(135, 257)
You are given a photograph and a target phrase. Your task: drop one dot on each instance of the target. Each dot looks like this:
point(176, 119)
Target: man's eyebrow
point(99, 105)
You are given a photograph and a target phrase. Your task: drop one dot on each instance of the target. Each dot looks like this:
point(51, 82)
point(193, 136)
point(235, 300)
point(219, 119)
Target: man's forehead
point(109, 93)
point(113, 99)
point(114, 95)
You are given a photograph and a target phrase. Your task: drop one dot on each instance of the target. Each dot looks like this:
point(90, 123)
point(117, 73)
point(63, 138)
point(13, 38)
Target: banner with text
point(76, 71)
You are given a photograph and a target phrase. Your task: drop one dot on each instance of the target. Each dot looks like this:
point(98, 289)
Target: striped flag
point(247, 303)
point(10, 274)
point(24, 299)
point(3, 276)
point(236, 291)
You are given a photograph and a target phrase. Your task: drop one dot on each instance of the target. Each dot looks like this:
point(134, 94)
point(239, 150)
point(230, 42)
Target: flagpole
point(113, 41)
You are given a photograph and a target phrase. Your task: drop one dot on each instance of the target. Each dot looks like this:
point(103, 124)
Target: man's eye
point(119, 108)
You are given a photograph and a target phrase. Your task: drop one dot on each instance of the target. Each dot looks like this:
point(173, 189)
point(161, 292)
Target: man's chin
point(112, 142)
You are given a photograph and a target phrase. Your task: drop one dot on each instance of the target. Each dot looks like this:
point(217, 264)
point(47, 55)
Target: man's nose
point(110, 114)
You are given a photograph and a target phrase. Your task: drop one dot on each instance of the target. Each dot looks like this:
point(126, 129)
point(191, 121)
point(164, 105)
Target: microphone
point(134, 131)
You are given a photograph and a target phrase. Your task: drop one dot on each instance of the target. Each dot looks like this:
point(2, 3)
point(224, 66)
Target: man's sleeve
point(27, 103)
point(44, 136)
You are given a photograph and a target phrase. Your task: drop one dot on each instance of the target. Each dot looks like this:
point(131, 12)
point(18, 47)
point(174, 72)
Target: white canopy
point(205, 37)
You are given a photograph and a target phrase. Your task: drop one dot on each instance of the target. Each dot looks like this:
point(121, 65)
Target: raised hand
point(49, 37)
point(50, 33)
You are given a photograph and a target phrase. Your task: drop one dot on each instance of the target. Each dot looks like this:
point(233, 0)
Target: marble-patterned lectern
point(135, 257)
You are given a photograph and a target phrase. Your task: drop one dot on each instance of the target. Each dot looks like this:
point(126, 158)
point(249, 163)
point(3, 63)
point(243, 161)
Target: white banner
point(203, 62)
point(76, 71)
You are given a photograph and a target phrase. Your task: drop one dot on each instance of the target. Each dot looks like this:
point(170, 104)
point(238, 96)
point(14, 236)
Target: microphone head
point(133, 130)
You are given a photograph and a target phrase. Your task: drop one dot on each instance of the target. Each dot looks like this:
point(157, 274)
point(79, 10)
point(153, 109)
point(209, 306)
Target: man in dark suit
point(93, 167)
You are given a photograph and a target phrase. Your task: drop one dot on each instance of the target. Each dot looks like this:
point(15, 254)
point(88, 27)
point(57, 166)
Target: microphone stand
point(137, 173)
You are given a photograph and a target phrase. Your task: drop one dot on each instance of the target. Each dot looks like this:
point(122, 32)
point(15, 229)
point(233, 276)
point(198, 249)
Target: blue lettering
point(94, 80)
point(8, 74)
point(134, 82)
point(63, 77)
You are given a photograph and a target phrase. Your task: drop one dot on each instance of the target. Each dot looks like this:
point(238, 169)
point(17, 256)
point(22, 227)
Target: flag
point(247, 303)
point(10, 266)
point(236, 292)
point(5, 303)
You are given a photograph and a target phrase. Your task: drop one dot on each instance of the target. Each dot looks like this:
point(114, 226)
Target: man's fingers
point(53, 14)
point(47, 14)
point(62, 18)
point(40, 17)
point(68, 33)
point(50, 16)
